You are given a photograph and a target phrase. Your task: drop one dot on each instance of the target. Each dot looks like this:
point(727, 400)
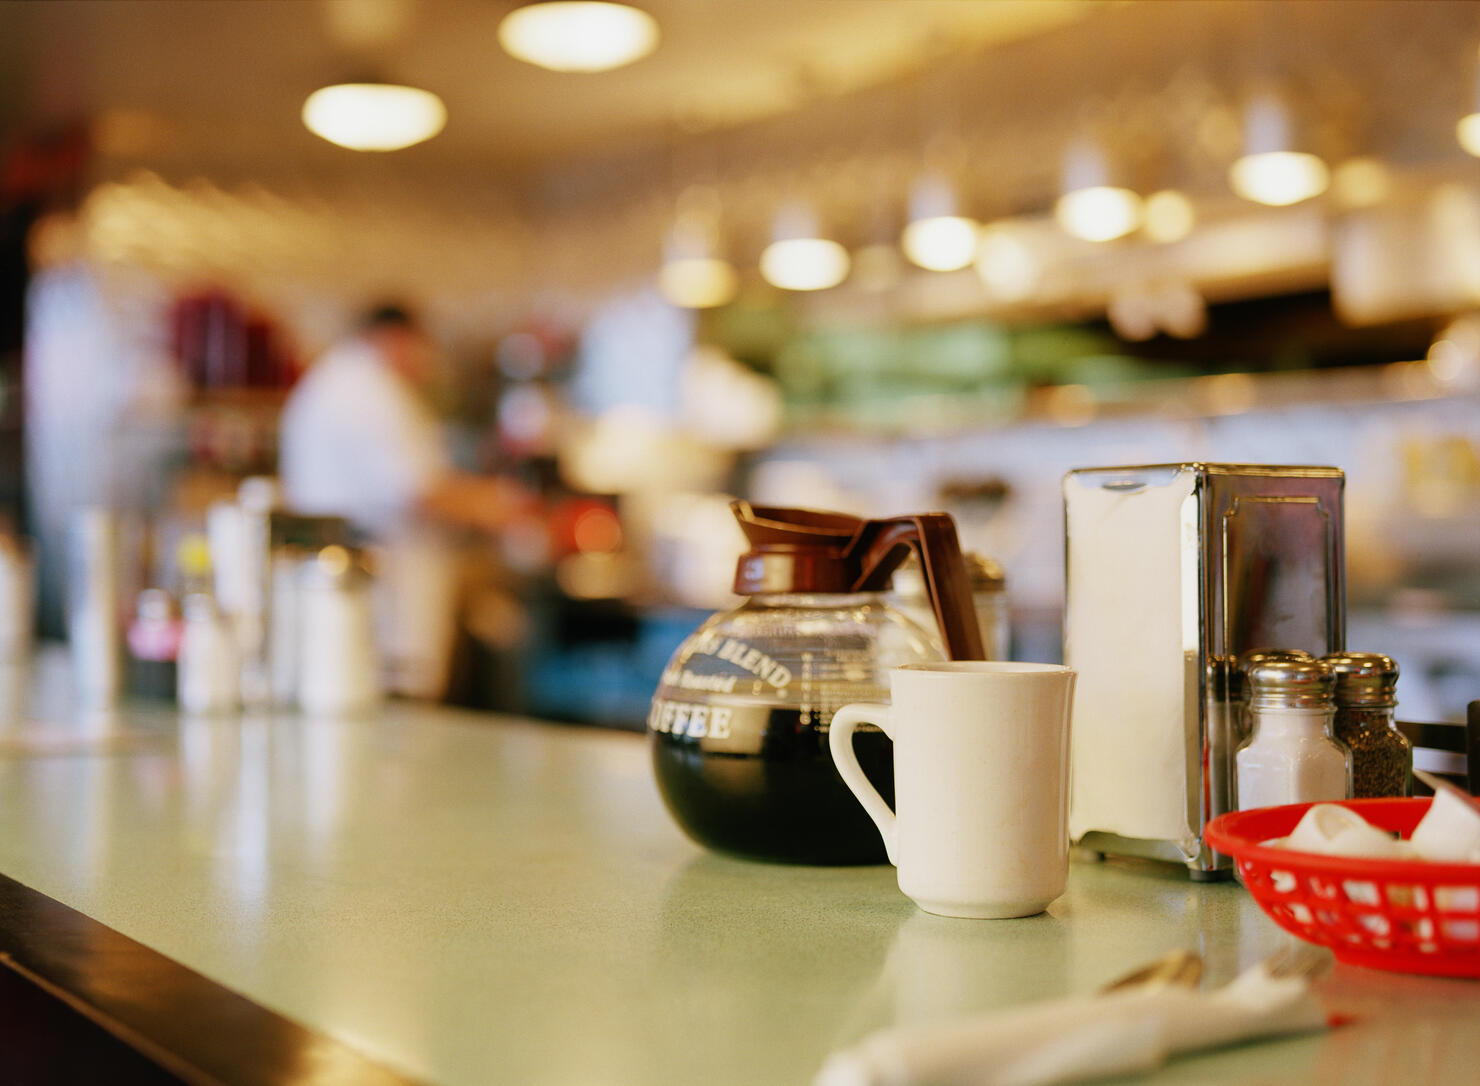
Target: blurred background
point(877, 256)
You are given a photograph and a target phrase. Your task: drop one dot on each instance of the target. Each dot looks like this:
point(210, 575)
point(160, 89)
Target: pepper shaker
point(1366, 698)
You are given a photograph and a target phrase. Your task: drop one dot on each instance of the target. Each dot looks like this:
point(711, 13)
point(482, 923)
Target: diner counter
point(464, 899)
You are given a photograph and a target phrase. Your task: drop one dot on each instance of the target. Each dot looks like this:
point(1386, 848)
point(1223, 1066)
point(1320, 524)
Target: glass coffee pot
point(739, 722)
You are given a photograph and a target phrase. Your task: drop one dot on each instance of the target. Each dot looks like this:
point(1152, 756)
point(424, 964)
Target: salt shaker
point(256, 498)
point(338, 670)
point(1291, 755)
point(1366, 697)
point(208, 670)
point(284, 624)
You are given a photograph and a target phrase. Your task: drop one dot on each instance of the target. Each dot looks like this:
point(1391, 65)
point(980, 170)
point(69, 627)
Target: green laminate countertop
point(472, 899)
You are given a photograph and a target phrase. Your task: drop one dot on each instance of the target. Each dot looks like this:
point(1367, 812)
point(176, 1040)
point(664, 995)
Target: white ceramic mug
point(981, 775)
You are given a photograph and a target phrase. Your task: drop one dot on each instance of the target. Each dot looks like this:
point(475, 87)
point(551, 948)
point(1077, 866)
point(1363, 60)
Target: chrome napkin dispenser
point(1173, 572)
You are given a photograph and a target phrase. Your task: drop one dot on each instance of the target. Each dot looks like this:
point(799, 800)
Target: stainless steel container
point(1173, 572)
point(94, 614)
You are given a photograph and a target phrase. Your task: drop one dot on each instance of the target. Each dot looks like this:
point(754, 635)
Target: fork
point(1177, 967)
point(1297, 960)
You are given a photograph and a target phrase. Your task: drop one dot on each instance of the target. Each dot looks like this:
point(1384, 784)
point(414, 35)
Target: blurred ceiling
point(215, 86)
point(567, 183)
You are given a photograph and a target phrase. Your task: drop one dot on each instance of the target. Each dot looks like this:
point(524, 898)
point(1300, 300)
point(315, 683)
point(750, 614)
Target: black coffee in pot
point(768, 788)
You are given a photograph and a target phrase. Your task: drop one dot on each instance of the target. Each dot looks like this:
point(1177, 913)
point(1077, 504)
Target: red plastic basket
point(1407, 916)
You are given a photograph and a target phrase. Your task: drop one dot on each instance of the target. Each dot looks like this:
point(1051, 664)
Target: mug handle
point(840, 741)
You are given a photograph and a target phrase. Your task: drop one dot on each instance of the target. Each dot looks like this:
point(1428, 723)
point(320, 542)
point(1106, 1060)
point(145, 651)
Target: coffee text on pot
point(687, 718)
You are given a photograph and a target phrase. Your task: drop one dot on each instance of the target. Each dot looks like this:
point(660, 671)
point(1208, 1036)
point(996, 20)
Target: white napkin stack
point(1448, 833)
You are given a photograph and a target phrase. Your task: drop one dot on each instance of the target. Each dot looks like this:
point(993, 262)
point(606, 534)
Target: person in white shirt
point(358, 440)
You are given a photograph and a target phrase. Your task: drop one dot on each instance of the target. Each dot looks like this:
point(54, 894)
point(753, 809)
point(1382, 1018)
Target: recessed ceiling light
point(578, 35)
point(374, 116)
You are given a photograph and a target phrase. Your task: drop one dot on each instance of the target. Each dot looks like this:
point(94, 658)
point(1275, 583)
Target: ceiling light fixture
point(1272, 170)
point(1170, 216)
point(1092, 207)
point(1467, 130)
point(578, 35)
point(937, 238)
point(693, 275)
point(374, 116)
point(799, 258)
point(698, 282)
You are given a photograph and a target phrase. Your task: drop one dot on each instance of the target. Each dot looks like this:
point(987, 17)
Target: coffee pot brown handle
point(881, 545)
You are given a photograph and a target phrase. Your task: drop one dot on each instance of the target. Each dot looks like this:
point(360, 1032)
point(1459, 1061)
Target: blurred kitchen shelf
point(1213, 396)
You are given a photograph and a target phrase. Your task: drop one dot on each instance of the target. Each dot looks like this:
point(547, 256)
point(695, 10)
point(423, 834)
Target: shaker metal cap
point(1364, 678)
point(1248, 660)
point(986, 575)
point(1260, 656)
point(1290, 684)
point(334, 566)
